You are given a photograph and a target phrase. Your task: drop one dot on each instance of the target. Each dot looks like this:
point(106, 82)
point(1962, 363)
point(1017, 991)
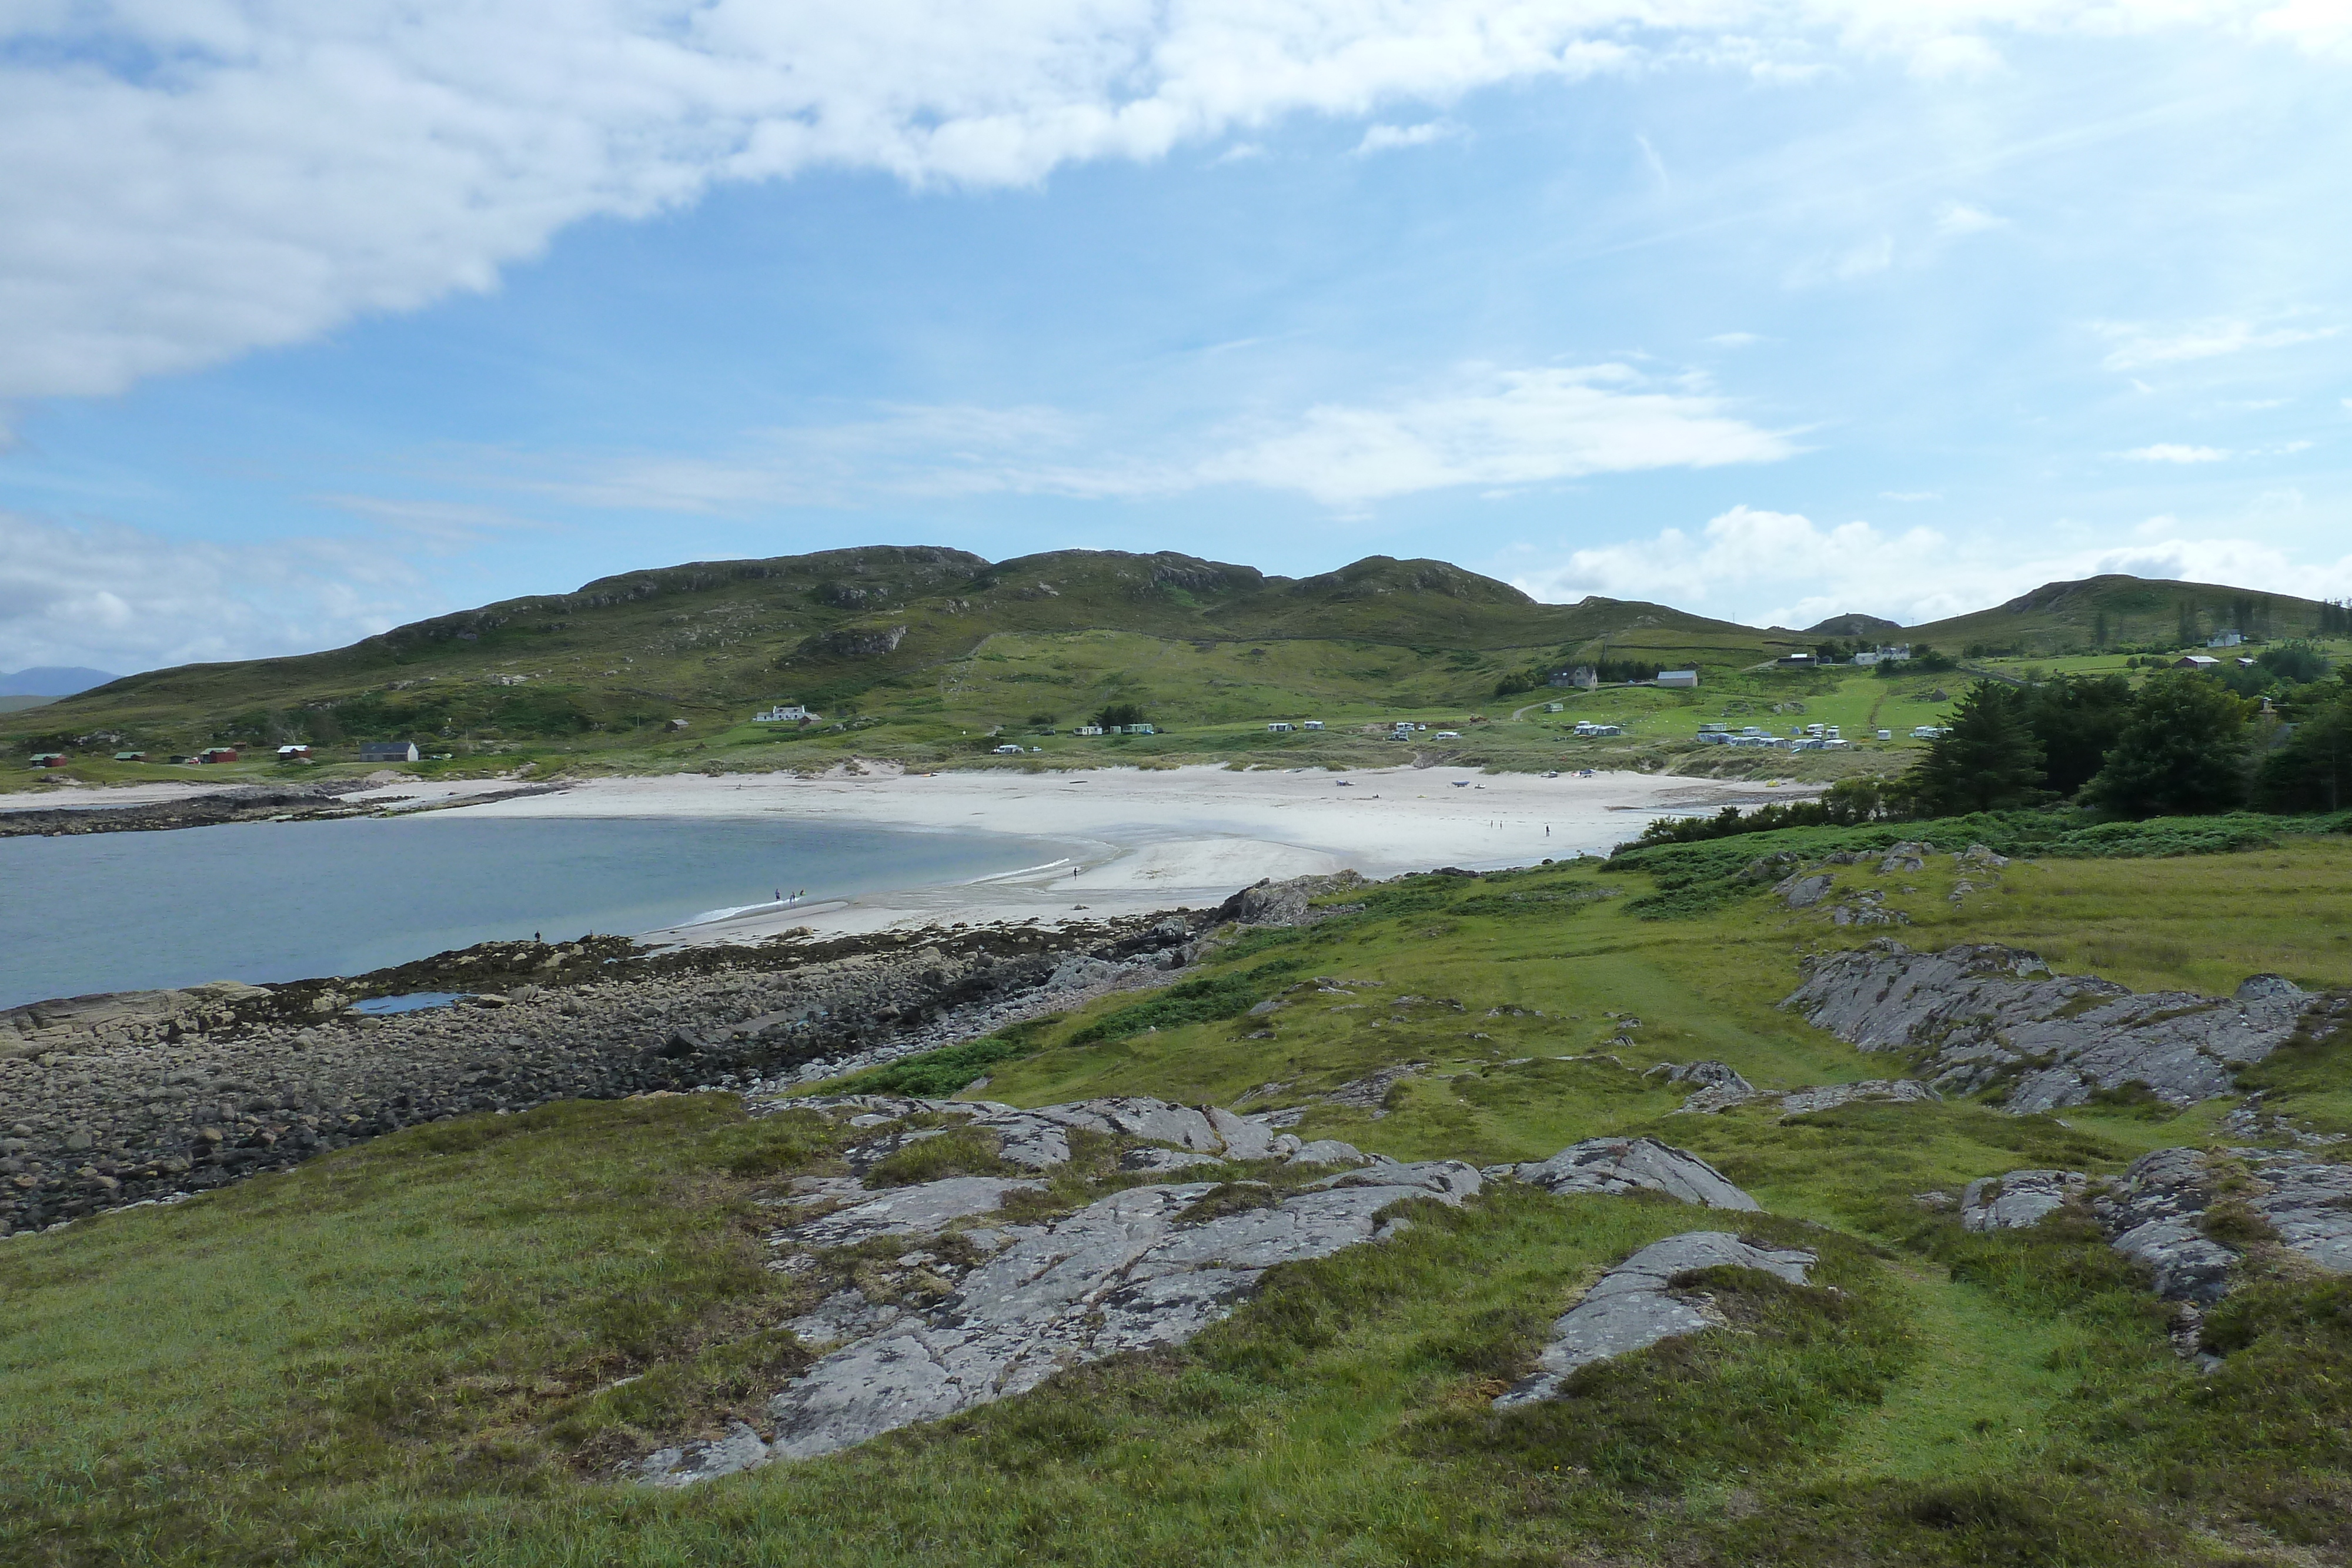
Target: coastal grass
point(434, 1348)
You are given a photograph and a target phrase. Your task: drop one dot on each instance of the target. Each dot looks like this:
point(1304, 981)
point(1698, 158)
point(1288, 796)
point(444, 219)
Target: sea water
point(289, 900)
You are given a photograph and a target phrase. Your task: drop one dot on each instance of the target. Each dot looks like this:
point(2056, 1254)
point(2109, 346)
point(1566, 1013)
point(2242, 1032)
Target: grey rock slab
point(2155, 1215)
point(1128, 1271)
point(2152, 1219)
point(741, 1450)
point(924, 1210)
point(1830, 1096)
point(1327, 1152)
point(1039, 1139)
point(1706, 1074)
point(1804, 892)
point(1984, 1011)
point(1634, 1164)
point(2018, 1198)
point(1633, 1306)
point(1151, 1159)
point(842, 1316)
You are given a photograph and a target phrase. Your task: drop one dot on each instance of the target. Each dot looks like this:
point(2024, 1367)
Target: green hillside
point(2121, 612)
point(930, 647)
point(934, 655)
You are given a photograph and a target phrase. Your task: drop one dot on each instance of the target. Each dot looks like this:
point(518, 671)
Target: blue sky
point(1772, 311)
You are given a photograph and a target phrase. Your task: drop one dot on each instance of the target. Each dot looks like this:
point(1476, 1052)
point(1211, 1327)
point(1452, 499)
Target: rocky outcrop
point(2020, 1199)
point(2188, 1214)
point(1831, 1096)
point(1802, 892)
point(1638, 1303)
point(1630, 1165)
point(2176, 1211)
point(980, 1308)
point(1039, 1139)
point(1000, 1308)
point(1980, 1015)
point(1722, 1089)
point(1271, 903)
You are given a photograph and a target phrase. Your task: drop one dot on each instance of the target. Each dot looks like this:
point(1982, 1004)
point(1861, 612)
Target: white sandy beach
point(1138, 841)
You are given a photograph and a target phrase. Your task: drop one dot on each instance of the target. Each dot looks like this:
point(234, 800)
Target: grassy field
point(430, 1349)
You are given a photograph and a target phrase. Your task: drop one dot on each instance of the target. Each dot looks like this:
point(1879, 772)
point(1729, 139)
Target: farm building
point(49, 759)
point(289, 753)
point(387, 752)
point(217, 754)
point(2196, 662)
point(2225, 639)
point(131, 757)
point(1685, 680)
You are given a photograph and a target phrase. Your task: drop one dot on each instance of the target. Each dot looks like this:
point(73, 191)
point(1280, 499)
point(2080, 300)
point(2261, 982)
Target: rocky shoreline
point(323, 801)
point(146, 1096)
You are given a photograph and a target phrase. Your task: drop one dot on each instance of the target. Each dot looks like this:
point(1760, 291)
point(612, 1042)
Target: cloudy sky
point(314, 319)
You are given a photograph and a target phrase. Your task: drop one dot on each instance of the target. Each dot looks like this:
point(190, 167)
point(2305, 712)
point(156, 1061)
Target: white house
point(2225, 639)
point(1683, 679)
point(1586, 728)
point(784, 713)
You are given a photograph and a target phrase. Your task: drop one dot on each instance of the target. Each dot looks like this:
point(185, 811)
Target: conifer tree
point(1987, 760)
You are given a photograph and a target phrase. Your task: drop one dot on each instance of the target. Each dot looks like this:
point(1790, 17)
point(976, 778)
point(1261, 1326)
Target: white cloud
point(1955, 55)
point(2171, 452)
point(191, 179)
point(1387, 138)
point(1502, 427)
point(1958, 218)
point(1782, 569)
point(1909, 495)
point(124, 598)
point(1491, 428)
point(1736, 339)
point(2137, 345)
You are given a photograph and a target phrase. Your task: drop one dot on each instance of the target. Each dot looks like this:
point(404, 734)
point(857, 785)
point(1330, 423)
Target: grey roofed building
point(387, 752)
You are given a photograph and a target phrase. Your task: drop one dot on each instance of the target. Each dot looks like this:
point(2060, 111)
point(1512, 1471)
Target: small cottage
point(387, 752)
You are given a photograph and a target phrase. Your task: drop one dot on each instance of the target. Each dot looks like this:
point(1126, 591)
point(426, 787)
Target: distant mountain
point(1854, 626)
point(52, 681)
point(2115, 610)
point(940, 643)
point(944, 646)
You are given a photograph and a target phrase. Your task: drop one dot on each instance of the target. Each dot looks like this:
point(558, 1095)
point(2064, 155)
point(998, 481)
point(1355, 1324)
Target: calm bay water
point(287, 901)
